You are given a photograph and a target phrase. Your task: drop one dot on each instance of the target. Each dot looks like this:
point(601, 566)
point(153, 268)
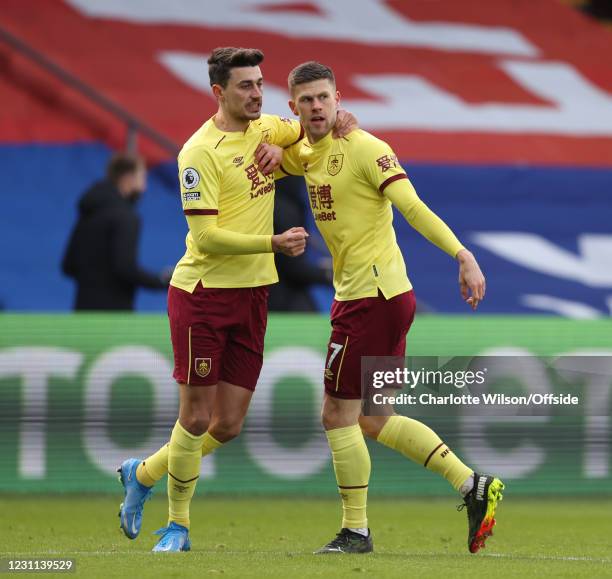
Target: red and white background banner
point(444, 81)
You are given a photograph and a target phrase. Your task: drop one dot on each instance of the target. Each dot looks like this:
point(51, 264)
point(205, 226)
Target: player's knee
point(369, 427)
point(195, 424)
point(331, 418)
point(325, 418)
point(226, 430)
point(338, 413)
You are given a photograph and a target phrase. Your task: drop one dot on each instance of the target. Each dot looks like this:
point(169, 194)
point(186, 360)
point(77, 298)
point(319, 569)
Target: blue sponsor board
point(543, 235)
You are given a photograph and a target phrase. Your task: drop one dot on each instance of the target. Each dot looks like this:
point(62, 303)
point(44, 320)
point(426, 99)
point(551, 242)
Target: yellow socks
point(352, 467)
point(184, 456)
point(152, 469)
point(421, 444)
point(209, 444)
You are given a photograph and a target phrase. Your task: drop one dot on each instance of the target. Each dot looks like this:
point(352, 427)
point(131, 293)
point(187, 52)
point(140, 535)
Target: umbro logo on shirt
point(238, 161)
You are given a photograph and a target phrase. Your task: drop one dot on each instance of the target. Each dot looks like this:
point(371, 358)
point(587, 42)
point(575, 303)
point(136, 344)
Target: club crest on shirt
point(334, 164)
point(203, 366)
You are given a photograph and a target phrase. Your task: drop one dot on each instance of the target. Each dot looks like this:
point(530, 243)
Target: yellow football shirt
point(218, 176)
point(349, 183)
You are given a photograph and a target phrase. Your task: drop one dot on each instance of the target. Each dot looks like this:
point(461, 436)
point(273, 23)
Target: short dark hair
point(222, 60)
point(308, 72)
point(123, 164)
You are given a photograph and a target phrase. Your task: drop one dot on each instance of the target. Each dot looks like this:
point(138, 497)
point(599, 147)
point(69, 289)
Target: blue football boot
point(130, 511)
point(174, 538)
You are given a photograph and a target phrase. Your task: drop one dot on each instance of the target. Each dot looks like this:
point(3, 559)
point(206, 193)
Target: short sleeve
point(285, 132)
point(378, 164)
point(291, 164)
point(200, 181)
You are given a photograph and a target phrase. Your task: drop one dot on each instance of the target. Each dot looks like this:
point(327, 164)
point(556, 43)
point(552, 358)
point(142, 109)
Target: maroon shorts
point(365, 327)
point(218, 334)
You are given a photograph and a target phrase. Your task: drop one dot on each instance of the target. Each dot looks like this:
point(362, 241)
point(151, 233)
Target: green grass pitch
point(268, 537)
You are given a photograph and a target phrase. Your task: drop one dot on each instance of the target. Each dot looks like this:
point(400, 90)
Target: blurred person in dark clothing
point(102, 252)
point(296, 274)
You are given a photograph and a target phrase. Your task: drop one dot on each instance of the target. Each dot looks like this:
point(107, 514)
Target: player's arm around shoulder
point(284, 132)
point(290, 164)
point(278, 133)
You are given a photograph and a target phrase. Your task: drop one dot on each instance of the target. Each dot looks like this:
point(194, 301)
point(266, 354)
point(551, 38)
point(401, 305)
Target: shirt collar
point(229, 134)
point(322, 144)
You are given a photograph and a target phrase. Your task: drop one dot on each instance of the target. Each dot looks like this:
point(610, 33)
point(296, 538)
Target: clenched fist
point(292, 242)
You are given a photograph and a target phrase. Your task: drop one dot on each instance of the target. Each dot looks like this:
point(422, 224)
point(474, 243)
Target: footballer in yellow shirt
point(219, 177)
point(217, 301)
point(351, 186)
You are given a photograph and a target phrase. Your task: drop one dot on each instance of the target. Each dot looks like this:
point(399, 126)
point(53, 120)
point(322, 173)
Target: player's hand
point(292, 242)
point(345, 123)
point(471, 281)
point(268, 158)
